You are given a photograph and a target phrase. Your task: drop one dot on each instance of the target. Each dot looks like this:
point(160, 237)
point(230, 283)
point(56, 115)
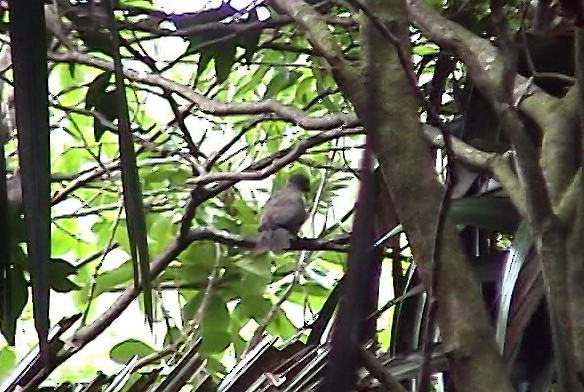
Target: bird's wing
point(284, 209)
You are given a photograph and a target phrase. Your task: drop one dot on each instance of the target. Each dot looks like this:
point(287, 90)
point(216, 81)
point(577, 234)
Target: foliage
point(223, 106)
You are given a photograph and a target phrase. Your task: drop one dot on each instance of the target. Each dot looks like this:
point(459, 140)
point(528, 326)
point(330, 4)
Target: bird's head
point(300, 181)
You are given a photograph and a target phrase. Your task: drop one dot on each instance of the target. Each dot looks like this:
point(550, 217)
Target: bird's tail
point(275, 240)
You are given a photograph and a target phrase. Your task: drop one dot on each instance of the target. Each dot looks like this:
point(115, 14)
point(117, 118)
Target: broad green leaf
point(239, 344)
point(71, 160)
point(161, 230)
point(305, 90)
point(196, 278)
point(120, 236)
point(126, 350)
point(282, 326)
point(310, 292)
point(199, 256)
point(243, 211)
point(191, 306)
point(216, 316)
point(281, 81)
point(7, 361)
point(214, 341)
point(215, 366)
point(62, 241)
point(252, 275)
point(110, 279)
point(424, 50)
point(253, 307)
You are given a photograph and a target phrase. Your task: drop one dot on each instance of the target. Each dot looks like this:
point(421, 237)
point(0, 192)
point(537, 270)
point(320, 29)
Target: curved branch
point(209, 106)
point(500, 166)
point(484, 62)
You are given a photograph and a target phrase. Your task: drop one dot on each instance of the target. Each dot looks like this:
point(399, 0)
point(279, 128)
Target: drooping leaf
point(224, 60)
point(100, 99)
point(215, 324)
point(14, 297)
point(132, 187)
point(59, 273)
point(29, 56)
point(281, 81)
point(96, 90)
point(200, 256)
point(250, 40)
point(252, 275)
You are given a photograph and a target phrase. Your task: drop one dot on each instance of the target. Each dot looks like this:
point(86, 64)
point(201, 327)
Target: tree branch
point(209, 106)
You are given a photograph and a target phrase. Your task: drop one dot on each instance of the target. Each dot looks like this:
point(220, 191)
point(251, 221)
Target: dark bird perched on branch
point(283, 215)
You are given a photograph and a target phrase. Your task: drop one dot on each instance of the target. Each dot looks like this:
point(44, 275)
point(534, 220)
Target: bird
point(283, 215)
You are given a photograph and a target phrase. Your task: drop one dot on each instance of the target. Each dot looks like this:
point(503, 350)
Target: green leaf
point(173, 335)
point(7, 361)
point(249, 40)
point(253, 307)
point(424, 50)
point(243, 211)
point(161, 230)
point(59, 272)
point(185, 274)
point(214, 366)
point(63, 242)
point(224, 60)
point(97, 89)
point(281, 81)
point(216, 315)
point(255, 79)
point(110, 279)
point(305, 90)
point(252, 275)
point(281, 326)
point(310, 292)
point(214, 341)
point(126, 350)
point(199, 256)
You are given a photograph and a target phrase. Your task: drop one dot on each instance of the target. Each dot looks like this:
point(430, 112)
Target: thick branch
point(407, 165)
